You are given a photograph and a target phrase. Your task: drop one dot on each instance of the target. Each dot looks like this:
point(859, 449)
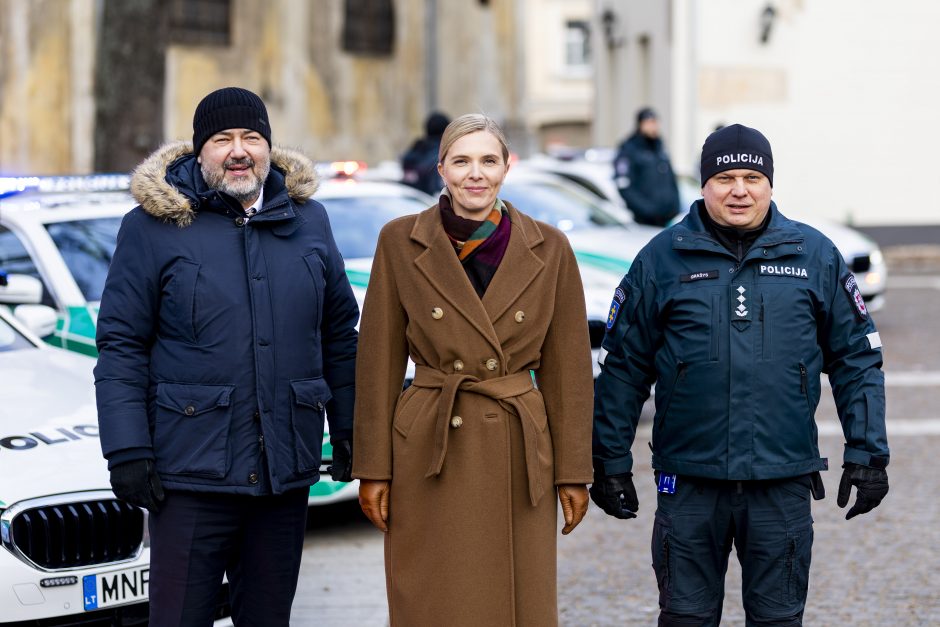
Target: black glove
point(871, 487)
point(615, 494)
point(341, 468)
point(137, 483)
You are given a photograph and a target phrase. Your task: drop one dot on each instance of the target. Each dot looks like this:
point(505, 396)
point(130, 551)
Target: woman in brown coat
point(461, 469)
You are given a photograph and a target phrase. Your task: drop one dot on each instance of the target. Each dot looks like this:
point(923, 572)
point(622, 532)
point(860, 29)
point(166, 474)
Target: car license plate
point(116, 587)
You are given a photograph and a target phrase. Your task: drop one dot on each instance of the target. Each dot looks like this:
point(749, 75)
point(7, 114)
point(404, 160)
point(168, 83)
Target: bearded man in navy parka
point(226, 335)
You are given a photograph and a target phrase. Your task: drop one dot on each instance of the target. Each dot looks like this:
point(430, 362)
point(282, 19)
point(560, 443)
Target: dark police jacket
point(736, 352)
point(223, 340)
point(646, 181)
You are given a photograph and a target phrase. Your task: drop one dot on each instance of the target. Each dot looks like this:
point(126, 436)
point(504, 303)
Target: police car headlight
point(876, 257)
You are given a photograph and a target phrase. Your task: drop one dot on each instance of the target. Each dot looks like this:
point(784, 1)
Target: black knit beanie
point(737, 147)
point(229, 107)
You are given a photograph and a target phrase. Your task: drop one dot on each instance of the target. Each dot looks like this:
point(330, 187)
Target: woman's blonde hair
point(471, 123)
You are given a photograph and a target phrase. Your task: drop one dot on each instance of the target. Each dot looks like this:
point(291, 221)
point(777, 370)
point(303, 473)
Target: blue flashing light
point(90, 183)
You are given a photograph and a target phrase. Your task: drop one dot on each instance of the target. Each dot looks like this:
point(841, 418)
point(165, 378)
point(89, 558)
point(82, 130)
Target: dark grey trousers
point(257, 541)
point(771, 527)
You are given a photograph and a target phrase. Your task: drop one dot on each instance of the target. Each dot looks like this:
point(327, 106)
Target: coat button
point(520, 316)
point(458, 365)
point(437, 313)
point(319, 406)
point(491, 364)
point(256, 416)
point(252, 478)
point(456, 421)
point(190, 410)
point(240, 221)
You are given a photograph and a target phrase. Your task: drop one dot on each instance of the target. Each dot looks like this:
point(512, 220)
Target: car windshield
point(86, 247)
point(11, 339)
point(556, 205)
point(357, 220)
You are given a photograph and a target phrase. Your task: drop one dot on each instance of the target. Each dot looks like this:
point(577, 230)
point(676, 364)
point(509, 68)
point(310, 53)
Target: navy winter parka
point(223, 341)
point(736, 351)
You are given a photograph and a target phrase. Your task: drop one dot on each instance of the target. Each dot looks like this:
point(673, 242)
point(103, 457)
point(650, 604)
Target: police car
point(62, 232)
point(70, 552)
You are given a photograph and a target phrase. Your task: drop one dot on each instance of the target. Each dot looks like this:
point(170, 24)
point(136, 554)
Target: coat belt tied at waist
point(507, 389)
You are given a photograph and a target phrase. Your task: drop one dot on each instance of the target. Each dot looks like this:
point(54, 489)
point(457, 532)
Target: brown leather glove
point(574, 505)
point(373, 499)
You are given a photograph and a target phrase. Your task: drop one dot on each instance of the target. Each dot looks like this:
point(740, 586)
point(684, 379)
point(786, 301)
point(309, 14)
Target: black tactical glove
point(615, 494)
point(871, 487)
point(341, 468)
point(137, 483)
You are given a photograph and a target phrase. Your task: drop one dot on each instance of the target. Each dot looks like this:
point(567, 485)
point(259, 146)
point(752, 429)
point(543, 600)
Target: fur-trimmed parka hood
point(163, 200)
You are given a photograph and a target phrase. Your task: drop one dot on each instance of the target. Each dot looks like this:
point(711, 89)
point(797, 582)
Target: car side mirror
point(40, 319)
point(19, 289)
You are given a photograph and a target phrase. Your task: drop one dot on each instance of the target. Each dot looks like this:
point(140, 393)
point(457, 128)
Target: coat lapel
point(440, 266)
point(519, 267)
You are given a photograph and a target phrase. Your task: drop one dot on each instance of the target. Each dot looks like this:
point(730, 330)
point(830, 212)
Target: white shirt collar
point(256, 207)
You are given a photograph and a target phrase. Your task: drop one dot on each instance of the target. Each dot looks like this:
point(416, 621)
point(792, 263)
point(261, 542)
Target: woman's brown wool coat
point(473, 507)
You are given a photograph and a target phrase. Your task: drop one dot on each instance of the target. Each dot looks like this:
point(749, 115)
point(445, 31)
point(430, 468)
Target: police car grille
point(72, 535)
point(596, 329)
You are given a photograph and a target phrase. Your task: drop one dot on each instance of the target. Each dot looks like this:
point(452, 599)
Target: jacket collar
point(440, 266)
point(692, 234)
point(169, 185)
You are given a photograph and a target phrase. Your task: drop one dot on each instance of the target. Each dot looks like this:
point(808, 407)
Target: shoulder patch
point(855, 296)
point(619, 295)
point(612, 313)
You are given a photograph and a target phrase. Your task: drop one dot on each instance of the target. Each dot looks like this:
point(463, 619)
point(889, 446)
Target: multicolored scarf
point(481, 252)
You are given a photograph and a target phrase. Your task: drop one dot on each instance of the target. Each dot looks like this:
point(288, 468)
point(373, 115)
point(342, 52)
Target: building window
point(201, 22)
point(577, 44)
point(369, 27)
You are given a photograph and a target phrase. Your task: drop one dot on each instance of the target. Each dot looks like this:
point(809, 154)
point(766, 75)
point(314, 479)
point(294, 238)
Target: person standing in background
point(419, 163)
point(643, 173)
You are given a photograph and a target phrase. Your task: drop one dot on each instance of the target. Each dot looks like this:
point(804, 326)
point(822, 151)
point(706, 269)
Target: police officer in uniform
point(643, 173)
point(734, 313)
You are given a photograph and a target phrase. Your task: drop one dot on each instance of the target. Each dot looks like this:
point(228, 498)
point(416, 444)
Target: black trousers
point(770, 525)
point(257, 541)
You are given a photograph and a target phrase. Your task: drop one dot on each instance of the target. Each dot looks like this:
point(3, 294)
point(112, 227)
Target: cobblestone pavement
point(879, 569)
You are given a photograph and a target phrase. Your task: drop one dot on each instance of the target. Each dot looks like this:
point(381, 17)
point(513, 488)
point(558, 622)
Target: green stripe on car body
point(75, 330)
point(358, 278)
point(603, 262)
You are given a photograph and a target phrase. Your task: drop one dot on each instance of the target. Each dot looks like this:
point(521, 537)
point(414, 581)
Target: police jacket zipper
point(803, 379)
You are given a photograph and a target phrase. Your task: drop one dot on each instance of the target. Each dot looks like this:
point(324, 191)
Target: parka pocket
point(178, 300)
point(308, 409)
point(191, 428)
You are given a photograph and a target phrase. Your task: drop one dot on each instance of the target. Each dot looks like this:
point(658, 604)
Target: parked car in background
point(62, 232)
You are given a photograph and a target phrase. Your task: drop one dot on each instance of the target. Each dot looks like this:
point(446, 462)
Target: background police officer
point(734, 313)
point(644, 175)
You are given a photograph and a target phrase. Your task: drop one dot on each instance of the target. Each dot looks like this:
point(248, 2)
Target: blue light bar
point(89, 183)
